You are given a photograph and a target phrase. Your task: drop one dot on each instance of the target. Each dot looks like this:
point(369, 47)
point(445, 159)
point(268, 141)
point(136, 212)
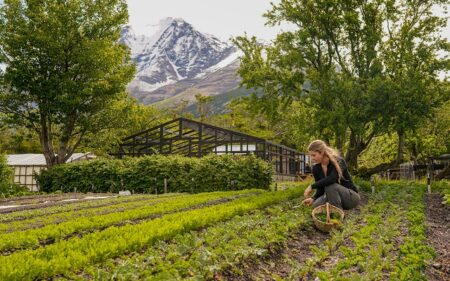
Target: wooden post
point(165, 185)
point(372, 184)
point(430, 166)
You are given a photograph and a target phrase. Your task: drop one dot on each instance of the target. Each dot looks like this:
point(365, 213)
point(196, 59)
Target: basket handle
point(328, 212)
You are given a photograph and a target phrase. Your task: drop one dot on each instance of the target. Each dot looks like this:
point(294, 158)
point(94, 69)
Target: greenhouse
point(196, 139)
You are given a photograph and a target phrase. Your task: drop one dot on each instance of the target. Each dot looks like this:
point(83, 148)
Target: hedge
point(146, 174)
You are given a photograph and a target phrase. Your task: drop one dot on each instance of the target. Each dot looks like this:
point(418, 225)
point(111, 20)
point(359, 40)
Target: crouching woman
point(333, 183)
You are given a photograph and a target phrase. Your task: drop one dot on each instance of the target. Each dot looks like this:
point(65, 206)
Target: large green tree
point(342, 61)
point(414, 53)
point(64, 65)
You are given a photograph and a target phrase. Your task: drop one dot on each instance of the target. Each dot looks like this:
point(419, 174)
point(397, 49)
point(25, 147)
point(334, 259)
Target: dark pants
point(339, 196)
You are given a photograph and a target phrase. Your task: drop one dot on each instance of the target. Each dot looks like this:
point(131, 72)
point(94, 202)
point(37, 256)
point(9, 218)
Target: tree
point(63, 66)
point(291, 129)
point(339, 61)
point(334, 49)
point(413, 56)
point(204, 106)
point(123, 117)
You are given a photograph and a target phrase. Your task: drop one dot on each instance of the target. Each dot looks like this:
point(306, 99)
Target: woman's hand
point(308, 201)
point(308, 191)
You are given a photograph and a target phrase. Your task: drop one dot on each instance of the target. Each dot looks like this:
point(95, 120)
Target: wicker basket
point(328, 225)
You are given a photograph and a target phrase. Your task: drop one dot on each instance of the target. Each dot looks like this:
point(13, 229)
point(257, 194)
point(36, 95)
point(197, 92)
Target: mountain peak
point(171, 51)
point(172, 20)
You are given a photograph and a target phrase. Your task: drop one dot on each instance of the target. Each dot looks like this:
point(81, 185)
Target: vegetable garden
point(398, 233)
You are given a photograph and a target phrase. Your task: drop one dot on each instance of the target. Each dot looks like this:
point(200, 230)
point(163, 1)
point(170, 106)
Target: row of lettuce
point(443, 187)
point(158, 173)
point(49, 253)
point(392, 225)
point(76, 223)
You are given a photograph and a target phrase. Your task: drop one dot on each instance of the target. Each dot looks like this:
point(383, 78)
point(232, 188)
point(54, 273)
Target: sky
point(221, 18)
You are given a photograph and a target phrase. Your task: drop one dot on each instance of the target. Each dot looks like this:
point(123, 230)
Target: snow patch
point(146, 87)
point(227, 61)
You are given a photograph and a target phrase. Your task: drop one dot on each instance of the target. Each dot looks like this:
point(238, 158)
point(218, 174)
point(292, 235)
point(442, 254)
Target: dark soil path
point(438, 223)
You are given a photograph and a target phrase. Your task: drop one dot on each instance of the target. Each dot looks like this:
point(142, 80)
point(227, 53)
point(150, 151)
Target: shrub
point(7, 186)
point(146, 174)
point(6, 172)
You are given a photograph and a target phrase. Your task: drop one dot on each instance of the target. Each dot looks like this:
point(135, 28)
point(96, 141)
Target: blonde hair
point(331, 153)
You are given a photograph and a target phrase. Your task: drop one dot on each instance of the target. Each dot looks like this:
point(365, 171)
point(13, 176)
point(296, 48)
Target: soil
point(52, 212)
point(438, 232)
point(277, 263)
point(47, 201)
point(36, 199)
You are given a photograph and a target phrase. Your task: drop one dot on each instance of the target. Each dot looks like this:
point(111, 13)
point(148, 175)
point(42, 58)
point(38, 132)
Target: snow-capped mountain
point(173, 51)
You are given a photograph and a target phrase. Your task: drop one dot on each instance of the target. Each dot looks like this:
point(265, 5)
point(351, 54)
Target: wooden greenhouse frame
point(196, 139)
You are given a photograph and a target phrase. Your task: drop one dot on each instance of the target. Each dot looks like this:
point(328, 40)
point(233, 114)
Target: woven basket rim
point(324, 226)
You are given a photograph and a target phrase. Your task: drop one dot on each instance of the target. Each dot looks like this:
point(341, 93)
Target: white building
point(27, 165)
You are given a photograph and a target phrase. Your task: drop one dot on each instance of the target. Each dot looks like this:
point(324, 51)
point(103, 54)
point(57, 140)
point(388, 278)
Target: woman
point(333, 182)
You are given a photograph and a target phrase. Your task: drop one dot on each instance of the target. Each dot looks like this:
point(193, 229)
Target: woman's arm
point(320, 190)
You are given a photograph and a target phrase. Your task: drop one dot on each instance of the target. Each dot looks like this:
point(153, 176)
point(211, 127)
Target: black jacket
point(322, 180)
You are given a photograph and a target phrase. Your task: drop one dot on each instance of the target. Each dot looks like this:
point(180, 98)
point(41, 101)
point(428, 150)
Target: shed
point(27, 165)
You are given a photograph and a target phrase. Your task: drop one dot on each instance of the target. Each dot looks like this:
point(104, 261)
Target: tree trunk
point(378, 169)
point(340, 142)
point(401, 146)
point(351, 157)
point(356, 146)
point(393, 164)
point(64, 140)
point(46, 142)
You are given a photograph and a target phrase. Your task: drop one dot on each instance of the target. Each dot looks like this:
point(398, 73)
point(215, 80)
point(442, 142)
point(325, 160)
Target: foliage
point(7, 186)
point(292, 128)
point(367, 247)
point(365, 68)
point(28, 214)
point(64, 65)
point(215, 235)
point(113, 206)
point(123, 117)
point(74, 254)
point(204, 255)
point(19, 140)
point(204, 106)
point(147, 174)
point(443, 187)
point(432, 138)
point(6, 172)
point(72, 224)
